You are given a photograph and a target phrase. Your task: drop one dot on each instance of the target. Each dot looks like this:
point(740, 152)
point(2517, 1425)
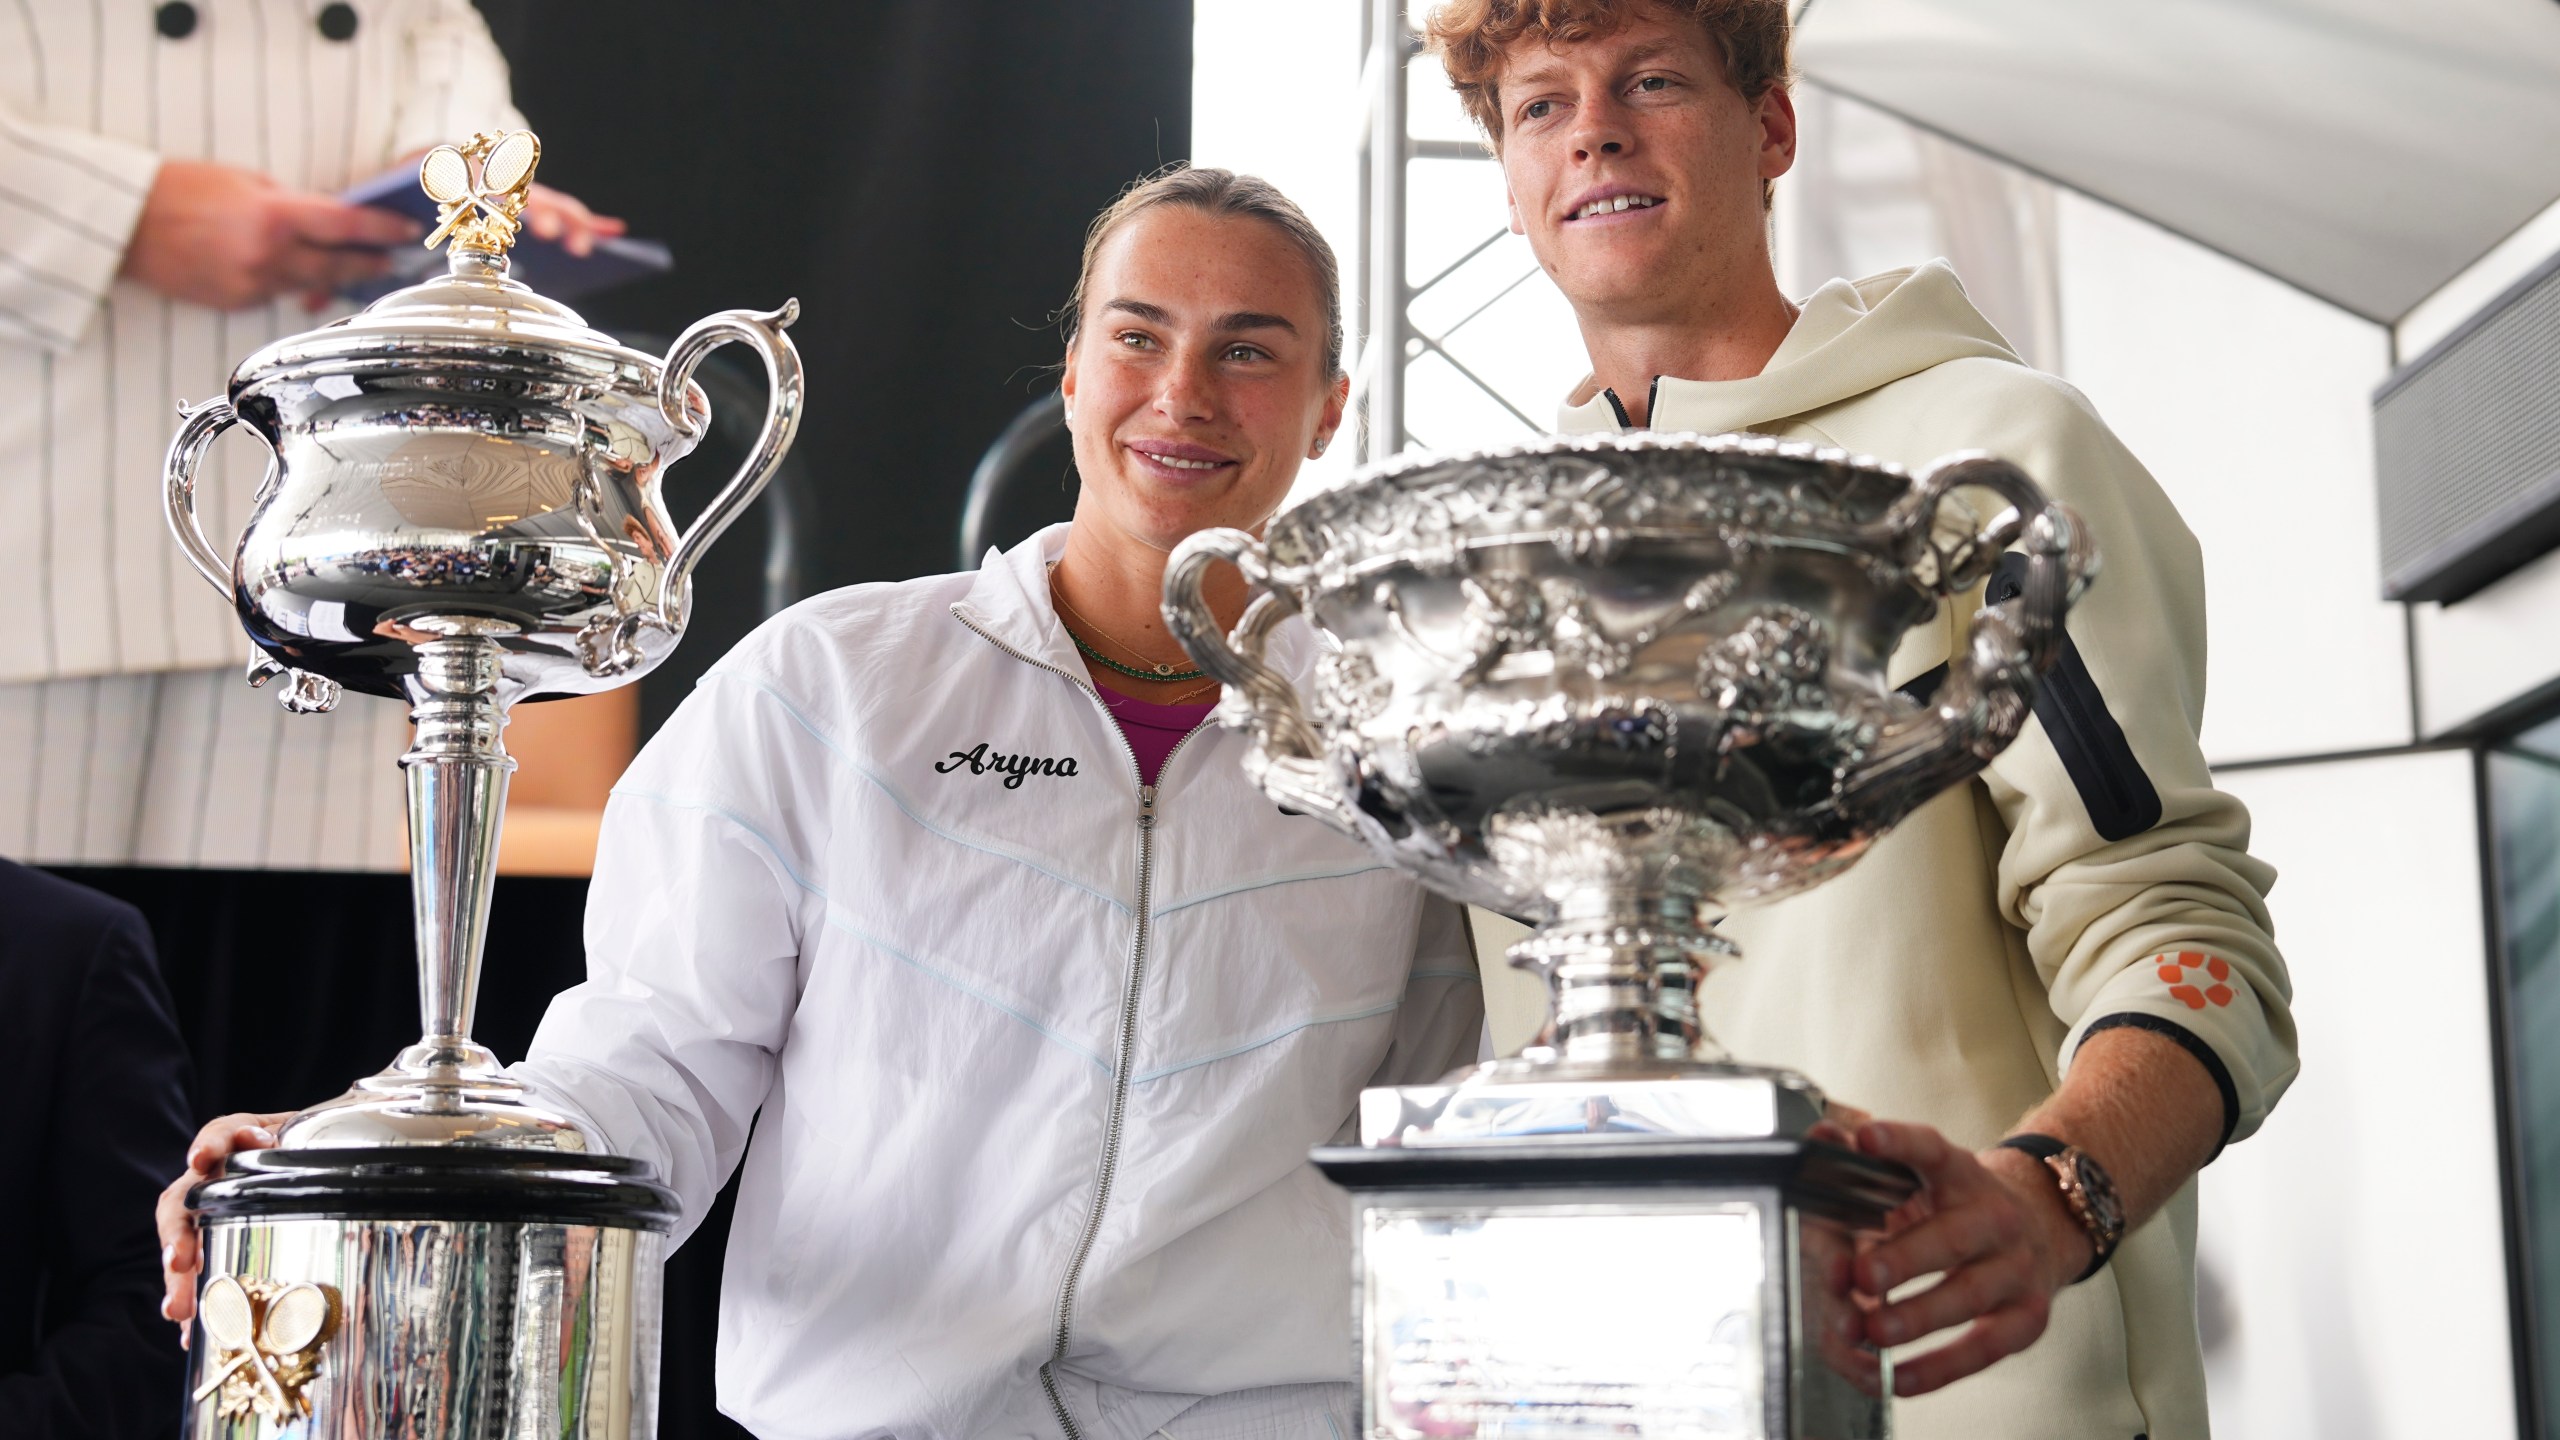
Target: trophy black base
point(429, 1293)
point(1618, 1285)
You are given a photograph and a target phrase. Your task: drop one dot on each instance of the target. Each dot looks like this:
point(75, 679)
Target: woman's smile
point(1179, 461)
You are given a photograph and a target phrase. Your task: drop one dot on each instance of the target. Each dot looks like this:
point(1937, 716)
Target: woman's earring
point(1321, 442)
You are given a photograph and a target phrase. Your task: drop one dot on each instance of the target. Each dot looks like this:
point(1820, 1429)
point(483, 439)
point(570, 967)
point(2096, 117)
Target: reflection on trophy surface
point(1614, 686)
point(463, 512)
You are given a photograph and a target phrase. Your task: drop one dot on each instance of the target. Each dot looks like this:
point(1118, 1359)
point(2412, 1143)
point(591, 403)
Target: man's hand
point(1835, 1313)
point(228, 238)
point(180, 1254)
point(1994, 1227)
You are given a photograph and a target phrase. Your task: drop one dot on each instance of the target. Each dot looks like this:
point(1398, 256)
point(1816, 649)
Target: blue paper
point(539, 263)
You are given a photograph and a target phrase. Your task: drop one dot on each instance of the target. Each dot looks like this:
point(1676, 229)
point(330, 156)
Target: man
point(167, 176)
point(2074, 949)
point(89, 1052)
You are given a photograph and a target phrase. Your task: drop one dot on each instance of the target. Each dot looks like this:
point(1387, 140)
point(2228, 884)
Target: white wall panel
point(2480, 653)
point(2444, 312)
point(1275, 92)
point(2356, 1276)
point(2250, 402)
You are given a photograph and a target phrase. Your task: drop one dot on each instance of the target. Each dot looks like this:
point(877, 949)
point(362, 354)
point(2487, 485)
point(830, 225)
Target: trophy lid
point(475, 294)
point(472, 313)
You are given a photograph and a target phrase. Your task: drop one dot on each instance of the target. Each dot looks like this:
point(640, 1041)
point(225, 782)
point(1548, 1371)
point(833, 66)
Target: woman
point(1036, 1002)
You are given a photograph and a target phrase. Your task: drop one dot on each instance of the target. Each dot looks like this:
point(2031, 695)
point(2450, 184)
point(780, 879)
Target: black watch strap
point(2102, 1241)
point(2043, 1147)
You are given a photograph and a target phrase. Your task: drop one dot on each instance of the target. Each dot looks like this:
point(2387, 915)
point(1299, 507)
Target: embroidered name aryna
point(982, 761)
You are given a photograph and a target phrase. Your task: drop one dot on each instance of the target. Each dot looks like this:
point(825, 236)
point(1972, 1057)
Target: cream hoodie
point(2092, 876)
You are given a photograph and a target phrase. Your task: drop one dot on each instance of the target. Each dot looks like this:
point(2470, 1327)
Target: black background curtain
point(919, 174)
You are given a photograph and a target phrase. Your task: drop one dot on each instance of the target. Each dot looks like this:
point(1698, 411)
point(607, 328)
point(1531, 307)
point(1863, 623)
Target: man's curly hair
point(1471, 37)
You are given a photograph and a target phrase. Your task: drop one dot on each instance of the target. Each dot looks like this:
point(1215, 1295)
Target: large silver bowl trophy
point(462, 512)
point(1615, 686)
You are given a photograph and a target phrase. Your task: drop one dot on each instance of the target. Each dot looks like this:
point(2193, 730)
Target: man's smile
point(1609, 200)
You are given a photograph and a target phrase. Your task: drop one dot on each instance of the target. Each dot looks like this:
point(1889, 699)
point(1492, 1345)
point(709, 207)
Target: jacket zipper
point(1125, 1050)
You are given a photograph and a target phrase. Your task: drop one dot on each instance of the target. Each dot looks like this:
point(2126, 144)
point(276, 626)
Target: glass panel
point(2524, 810)
point(1832, 1373)
point(1565, 1323)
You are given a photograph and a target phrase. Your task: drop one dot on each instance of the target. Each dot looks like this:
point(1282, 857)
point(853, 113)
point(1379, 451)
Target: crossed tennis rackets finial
point(266, 1336)
point(481, 187)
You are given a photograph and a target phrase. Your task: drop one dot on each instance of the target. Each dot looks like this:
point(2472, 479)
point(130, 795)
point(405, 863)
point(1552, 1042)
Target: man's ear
point(1776, 113)
point(1512, 207)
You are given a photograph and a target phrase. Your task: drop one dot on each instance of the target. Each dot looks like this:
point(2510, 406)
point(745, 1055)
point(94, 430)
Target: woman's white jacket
point(1034, 1056)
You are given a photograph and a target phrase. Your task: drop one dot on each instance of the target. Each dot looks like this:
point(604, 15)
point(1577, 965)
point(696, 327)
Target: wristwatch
point(2086, 1188)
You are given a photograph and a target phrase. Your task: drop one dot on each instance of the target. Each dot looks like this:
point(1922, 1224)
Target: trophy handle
point(761, 330)
point(304, 693)
point(1991, 685)
point(1287, 759)
point(1963, 565)
point(196, 433)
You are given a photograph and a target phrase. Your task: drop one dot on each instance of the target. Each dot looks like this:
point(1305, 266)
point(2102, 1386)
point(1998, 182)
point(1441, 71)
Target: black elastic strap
point(2043, 1147)
point(2118, 794)
point(2193, 1044)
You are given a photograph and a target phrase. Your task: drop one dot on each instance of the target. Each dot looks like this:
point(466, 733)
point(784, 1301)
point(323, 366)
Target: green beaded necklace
point(1160, 674)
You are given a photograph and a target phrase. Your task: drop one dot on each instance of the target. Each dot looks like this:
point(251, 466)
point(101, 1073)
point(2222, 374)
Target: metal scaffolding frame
point(1390, 340)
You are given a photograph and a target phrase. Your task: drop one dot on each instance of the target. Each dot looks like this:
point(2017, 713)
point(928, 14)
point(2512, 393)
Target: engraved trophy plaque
point(462, 512)
point(1615, 686)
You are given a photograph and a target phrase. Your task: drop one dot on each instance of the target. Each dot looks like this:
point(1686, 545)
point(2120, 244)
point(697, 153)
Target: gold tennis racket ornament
point(266, 1340)
point(481, 189)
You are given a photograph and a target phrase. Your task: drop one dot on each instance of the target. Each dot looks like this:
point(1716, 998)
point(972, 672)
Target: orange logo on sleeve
point(2178, 973)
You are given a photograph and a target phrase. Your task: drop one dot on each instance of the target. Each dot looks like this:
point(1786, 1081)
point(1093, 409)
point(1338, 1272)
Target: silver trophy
point(1616, 686)
point(462, 513)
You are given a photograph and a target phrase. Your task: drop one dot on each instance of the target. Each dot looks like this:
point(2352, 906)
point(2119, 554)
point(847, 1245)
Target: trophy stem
point(1622, 975)
point(457, 769)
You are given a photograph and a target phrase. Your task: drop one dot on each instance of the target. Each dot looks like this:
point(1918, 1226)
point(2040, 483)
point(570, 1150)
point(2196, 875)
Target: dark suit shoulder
point(52, 923)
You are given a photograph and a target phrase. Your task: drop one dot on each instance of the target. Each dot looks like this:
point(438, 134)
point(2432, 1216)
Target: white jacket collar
point(1011, 604)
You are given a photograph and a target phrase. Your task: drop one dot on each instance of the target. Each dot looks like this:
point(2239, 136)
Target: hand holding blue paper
point(566, 251)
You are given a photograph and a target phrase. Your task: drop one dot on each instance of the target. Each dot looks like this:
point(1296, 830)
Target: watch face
point(2098, 1192)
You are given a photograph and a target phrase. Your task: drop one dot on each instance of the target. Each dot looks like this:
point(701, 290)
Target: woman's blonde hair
point(1219, 192)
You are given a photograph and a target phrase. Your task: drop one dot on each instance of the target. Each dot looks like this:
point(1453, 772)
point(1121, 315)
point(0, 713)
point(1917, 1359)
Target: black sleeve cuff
point(2194, 1045)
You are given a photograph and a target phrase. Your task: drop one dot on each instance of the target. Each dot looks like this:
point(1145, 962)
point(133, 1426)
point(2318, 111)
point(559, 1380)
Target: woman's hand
point(180, 1253)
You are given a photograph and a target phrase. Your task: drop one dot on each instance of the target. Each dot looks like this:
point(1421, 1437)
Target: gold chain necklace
point(1182, 699)
point(1162, 673)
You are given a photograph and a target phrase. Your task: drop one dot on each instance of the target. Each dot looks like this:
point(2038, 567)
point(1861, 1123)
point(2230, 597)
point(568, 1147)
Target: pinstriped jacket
point(93, 95)
point(1039, 1052)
